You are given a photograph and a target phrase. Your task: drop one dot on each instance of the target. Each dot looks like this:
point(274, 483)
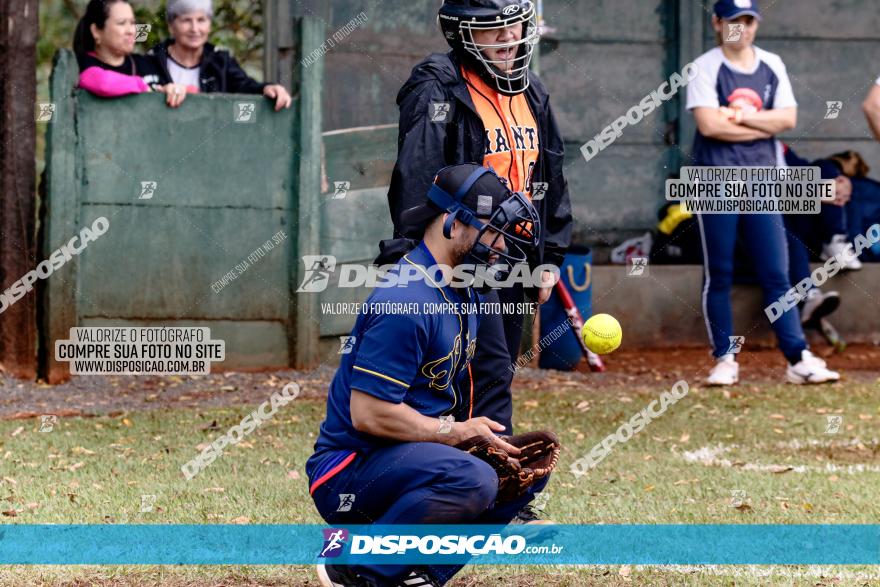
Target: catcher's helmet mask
point(507, 214)
point(460, 18)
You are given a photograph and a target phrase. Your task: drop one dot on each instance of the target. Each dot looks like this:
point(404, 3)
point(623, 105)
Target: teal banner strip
point(451, 544)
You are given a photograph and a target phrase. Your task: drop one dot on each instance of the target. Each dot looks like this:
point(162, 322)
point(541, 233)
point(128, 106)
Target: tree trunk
point(19, 27)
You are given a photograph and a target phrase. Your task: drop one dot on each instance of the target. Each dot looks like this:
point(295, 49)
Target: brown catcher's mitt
point(540, 453)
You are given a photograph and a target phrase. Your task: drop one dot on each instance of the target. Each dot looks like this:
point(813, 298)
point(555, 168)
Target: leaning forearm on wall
point(110, 84)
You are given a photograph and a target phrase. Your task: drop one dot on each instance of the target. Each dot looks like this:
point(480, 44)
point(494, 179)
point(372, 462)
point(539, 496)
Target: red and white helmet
point(459, 19)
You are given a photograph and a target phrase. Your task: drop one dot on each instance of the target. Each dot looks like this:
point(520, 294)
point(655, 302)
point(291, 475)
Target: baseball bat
point(577, 323)
point(831, 335)
point(829, 332)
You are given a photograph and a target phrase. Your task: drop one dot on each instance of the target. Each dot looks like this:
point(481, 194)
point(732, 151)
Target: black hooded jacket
point(425, 147)
point(219, 71)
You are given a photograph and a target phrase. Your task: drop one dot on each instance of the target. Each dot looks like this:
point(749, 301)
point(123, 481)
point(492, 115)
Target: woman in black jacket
point(188, 59)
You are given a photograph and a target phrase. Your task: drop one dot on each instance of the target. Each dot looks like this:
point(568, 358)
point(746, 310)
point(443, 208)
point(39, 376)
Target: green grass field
point(767, 441)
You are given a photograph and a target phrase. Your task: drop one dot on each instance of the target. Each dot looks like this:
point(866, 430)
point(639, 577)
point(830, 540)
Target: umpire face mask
point(505, 239)
point(480, 33)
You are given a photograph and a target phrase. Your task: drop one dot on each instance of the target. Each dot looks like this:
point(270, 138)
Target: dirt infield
point(763, 365)
point(99, 395)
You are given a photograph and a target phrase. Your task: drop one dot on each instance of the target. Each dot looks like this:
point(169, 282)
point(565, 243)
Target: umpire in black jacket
point(432, 137)
point(424, 147)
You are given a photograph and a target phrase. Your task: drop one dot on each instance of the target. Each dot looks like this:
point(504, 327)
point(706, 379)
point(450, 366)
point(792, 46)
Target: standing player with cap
point(384, 450)
point(480, 103)
point(741, 99)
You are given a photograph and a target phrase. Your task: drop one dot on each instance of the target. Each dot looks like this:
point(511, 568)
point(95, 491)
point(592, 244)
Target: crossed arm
point(725, 124)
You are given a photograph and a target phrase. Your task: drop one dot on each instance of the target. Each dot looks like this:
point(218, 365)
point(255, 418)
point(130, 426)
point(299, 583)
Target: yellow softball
point(602, 334)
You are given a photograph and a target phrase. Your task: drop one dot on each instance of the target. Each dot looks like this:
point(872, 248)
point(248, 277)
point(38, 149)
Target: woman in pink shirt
point(104, 44)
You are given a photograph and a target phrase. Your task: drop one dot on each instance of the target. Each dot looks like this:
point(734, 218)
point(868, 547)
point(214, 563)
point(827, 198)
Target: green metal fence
point(192, 195)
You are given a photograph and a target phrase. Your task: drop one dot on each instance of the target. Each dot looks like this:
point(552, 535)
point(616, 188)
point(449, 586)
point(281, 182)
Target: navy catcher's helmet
point(476, 196)
point(459, 19)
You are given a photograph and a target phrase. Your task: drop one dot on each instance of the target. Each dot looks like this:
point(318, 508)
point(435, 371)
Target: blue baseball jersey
point(411, 344)
point(720, 83)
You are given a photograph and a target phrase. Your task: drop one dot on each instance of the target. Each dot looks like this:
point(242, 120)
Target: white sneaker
point(818, 305)
point(810, 369)
point(837, 246)
point(725, 371)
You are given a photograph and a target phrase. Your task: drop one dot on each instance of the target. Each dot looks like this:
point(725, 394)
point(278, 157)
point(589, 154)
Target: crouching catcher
point(399, 444)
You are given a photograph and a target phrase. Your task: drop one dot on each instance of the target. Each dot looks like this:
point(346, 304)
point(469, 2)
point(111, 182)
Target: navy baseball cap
point(730, 9)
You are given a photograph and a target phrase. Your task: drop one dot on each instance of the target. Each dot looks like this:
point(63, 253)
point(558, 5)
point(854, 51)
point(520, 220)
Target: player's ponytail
point(96, 14)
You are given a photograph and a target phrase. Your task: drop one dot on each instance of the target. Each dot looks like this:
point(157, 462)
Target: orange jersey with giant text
point(511, 133)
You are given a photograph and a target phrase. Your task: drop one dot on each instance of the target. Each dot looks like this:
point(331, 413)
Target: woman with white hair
point(189, 60)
